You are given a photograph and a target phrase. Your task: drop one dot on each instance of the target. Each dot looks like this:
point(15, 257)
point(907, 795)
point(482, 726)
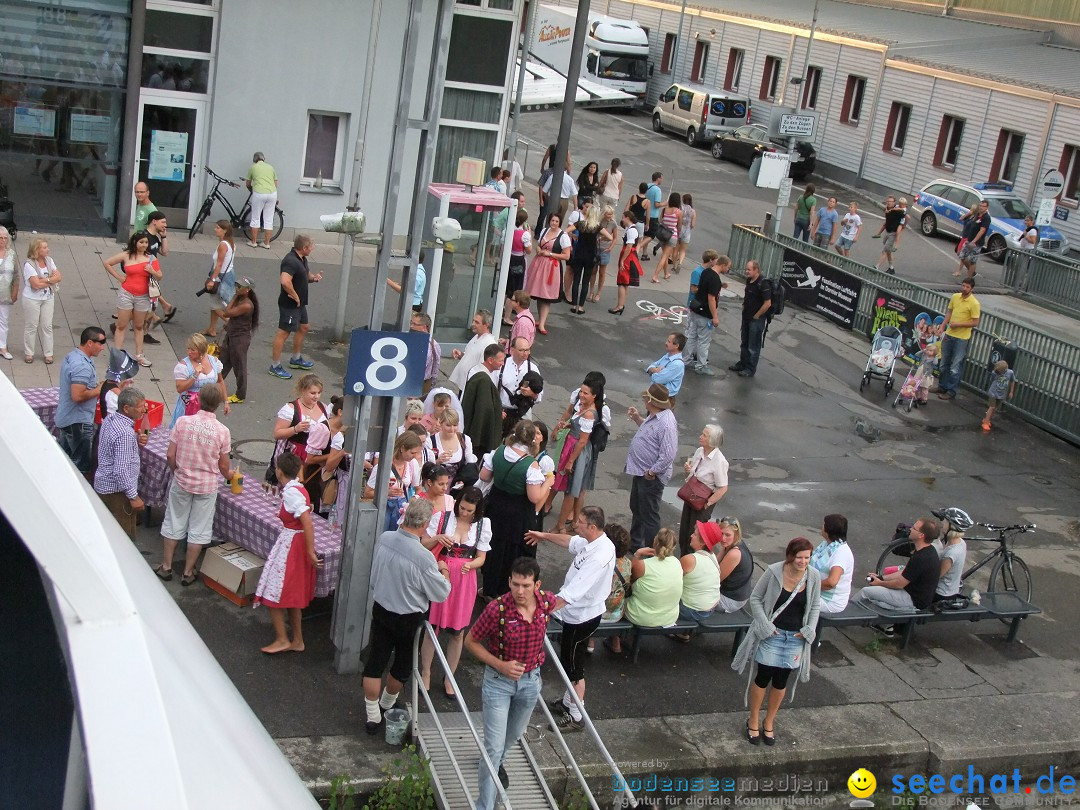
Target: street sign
point(772, 169)
point(1062, 213)
point(386, 364)
point(1053, 183)
point(784, 197)
point(797, 126)
point(1046, 211)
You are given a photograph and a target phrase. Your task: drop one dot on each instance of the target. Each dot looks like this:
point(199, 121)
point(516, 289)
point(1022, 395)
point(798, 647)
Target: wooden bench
point(997, 605)
point(737, 623)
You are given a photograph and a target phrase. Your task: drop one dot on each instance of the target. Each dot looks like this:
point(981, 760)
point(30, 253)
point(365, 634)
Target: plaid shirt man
point(508, 636)
point(118, 457)
point(200, 441)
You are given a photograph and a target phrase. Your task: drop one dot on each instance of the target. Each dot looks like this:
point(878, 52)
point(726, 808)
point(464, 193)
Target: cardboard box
point(232, 571)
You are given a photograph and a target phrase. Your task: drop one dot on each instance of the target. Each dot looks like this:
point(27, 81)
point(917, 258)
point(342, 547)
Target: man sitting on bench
point(912, 587)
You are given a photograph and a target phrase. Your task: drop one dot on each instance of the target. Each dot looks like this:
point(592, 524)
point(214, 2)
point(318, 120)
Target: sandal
point(49, 361)
point(609, 645)
point(189, 579)
point(164, 574)
point(208, 334)
point(169, 315)
point(28, 359)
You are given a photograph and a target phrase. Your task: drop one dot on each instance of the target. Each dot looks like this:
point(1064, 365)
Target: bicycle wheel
point(1011, 574)
point(891, 556)
point(204, 212)
point(279, 223)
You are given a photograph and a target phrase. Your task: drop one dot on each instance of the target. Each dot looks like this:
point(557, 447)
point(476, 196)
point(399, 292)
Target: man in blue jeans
point(509, 639)
point(79, 390)
point(757, 301)
point(960, 321)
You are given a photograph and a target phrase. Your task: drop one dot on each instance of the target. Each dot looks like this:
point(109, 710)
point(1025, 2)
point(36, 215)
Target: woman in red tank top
point(133, 304)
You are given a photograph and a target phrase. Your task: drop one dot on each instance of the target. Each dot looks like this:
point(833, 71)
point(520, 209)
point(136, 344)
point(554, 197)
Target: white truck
point(616, 51)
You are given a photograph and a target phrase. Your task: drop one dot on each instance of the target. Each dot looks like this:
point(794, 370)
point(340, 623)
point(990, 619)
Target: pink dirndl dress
point(456, 612)
point(288, 578)
point(543, 280)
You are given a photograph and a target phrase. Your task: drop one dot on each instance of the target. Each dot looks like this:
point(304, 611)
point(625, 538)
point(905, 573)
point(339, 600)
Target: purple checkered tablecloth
point(251, 520)
point(44, 401)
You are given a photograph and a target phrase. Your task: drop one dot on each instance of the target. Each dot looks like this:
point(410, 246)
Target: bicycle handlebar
point(219, 178)
point(1019, 527)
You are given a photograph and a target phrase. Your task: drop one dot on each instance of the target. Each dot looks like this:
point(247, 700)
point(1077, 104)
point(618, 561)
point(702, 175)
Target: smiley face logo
point(861, 783)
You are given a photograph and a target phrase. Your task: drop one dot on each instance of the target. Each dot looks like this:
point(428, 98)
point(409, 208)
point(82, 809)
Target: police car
point(940, 204)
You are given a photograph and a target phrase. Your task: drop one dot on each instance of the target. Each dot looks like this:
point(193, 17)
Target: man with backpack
point(757, 303)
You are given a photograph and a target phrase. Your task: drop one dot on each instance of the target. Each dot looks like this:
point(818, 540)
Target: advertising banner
point(817, 286)
point(917, 323)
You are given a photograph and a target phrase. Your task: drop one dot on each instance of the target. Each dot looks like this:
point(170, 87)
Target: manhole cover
point(254, 452)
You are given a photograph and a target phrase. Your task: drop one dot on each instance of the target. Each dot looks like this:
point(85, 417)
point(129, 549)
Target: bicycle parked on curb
point(1008, 574)
point(240, 221)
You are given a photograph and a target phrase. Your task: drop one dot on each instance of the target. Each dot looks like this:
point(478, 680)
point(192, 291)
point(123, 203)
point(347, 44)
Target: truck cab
point(617, 55)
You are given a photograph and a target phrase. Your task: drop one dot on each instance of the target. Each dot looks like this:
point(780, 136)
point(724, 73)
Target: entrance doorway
point(171, 143)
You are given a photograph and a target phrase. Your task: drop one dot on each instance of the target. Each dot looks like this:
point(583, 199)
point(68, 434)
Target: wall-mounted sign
point(90, 128)
point(37, 122)
point(168, 155)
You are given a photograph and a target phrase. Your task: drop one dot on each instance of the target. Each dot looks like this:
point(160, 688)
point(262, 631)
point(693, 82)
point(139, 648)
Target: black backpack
point(599, 436)
point(778, 294)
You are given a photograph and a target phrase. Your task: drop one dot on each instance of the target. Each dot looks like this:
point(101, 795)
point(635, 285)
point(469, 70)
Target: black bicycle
point(240, 221)
point(1009, 571)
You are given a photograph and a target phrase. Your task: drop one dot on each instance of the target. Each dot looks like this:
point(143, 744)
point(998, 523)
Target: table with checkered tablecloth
point(250, 519)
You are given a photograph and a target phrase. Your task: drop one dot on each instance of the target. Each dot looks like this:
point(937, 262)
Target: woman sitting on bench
point(656, 578)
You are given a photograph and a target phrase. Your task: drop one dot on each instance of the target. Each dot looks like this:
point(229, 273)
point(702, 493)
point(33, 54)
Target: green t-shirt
point(142, 216)
point(263, 178)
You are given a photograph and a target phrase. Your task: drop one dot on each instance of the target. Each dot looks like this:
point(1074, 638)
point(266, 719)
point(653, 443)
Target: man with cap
point(242, 319)
point(116, 480)
point(79, 388)
point(521, 403)
point(648, 460)
point(481, 404)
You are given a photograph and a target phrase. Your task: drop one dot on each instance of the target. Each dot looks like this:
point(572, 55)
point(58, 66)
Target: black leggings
point(776, 675)
point(572, 649)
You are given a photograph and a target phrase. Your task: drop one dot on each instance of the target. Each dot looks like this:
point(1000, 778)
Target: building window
point(485, 65)
point(1070, 167)
point(669, 53)
point(324, 152)
point(733, 76)
point(1007, 156)
point(810, 91)
point(948, 142)
point(851, 111)
point(701, 60)
point(896, 129)
point(770, 78)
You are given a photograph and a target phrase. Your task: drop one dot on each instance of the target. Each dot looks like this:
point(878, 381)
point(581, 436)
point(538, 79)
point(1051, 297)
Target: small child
point(1003, 384)
point(924, 372)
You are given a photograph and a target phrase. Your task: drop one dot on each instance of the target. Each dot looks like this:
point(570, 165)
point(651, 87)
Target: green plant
point(407, 785)
point(342, 794)
point(872, 647)
point(574, 800)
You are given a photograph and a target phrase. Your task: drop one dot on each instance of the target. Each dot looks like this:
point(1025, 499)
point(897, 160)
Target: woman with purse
point(706, 483)
point(221, 283)
point(575, 472)
point(463, 538)
point(542, 279)
point(670, 223)
point(242, 313)
point(133, 297)
point(197, 368)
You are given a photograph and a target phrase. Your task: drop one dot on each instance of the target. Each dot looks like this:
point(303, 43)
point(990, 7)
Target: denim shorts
point(844, 243)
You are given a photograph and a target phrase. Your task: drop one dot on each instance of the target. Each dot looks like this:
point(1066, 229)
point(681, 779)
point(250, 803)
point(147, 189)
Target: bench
point(737, 623)
point(1002, 605)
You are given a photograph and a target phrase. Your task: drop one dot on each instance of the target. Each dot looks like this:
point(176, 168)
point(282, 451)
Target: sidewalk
point(958, 695)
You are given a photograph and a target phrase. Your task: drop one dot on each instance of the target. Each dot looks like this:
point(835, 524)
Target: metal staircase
point(453, 744)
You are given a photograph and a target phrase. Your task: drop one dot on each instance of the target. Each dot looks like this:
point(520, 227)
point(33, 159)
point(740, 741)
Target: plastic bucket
point(397, 724)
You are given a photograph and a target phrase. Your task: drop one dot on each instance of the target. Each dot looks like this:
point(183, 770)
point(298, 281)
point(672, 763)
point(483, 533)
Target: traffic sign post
point(799, 125)
point(1046, 211)
point(1050, 188)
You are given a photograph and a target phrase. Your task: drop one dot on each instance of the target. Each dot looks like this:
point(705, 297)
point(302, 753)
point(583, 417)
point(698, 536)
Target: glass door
point(171, 134)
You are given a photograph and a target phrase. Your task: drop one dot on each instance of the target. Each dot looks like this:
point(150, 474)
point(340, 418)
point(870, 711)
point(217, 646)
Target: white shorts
point(126, 302)
point(262, 210)
point(189, 516)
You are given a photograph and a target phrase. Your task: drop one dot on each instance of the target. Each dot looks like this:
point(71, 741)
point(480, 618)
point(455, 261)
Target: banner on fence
point(917, 323)
point(815, 285)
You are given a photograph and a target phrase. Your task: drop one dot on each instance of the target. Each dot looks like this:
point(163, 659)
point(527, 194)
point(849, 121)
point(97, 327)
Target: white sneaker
point(142, 361)
point(6, 354)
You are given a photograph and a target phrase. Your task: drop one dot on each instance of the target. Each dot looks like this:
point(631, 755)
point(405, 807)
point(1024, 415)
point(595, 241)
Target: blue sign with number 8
point(386, 364)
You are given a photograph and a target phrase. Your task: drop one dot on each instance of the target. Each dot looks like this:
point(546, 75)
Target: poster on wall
point(168, 155)
point(90, 128)
point(815, 285)
point(36, 122)
point(918, 324)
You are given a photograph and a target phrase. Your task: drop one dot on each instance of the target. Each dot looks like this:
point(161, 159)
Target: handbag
point(664, 233)
point(695, 493)
point(154, 289)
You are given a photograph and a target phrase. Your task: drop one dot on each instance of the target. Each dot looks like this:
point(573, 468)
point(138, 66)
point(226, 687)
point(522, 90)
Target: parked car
point(940, 204)
point(698, 113)
point(743, 144)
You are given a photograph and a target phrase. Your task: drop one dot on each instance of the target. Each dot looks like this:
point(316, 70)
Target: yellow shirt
point(263, 178)
point(963, 310)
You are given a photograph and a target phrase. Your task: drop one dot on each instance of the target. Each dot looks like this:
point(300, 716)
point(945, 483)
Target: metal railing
point(418, 690)
point(1054, 280)
point(1047, 368)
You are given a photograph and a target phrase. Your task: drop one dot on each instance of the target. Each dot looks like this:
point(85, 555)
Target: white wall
point(273, 68)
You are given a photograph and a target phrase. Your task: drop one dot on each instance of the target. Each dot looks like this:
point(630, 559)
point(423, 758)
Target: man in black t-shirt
point(976, 226)
point(703, 315)
point(912, 587)
point(292, 307)
point(757, 301)
point(895, 221)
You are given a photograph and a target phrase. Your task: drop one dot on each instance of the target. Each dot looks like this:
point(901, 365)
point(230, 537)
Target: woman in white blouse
point(710, 467)
point(463, 538)
point(40, 281)
point(9, 287)
point(452, 448)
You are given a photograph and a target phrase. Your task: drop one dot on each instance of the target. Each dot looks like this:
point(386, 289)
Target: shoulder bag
point(695, 493)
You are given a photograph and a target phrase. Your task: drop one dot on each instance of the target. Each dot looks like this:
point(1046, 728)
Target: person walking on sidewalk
point(242, 319)
point(960, 321)
point(262, 182)
point(133, 297)
point(705, 287)
point(508, 638)
point(757, 301)
point(79, 390)
point(655, 195)
point(292, 307)
point(895, 221)
point(825, 224)
point(222, 274)
point(611, 182)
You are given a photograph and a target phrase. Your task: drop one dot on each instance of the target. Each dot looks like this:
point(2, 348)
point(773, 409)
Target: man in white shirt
point(568, 196)
point(584, 590)
point(517, 365)
point(516, 174)
point(850, 228)
point(474, 350)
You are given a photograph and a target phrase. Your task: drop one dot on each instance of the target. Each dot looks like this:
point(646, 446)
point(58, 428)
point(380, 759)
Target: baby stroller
point(884, 349)
point(909, 391)
point(7, 212)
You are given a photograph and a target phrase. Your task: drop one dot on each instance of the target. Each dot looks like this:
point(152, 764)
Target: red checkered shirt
point(508, 636)
point(200, 440)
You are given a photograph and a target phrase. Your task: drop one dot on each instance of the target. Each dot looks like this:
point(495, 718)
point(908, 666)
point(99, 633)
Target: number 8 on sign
point(387, 353)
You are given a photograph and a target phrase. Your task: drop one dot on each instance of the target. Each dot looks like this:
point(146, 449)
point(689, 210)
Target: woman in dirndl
point(543, 276)
point(575, 473)
point(463, 538)
point(287, 583)
point(629, 274)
